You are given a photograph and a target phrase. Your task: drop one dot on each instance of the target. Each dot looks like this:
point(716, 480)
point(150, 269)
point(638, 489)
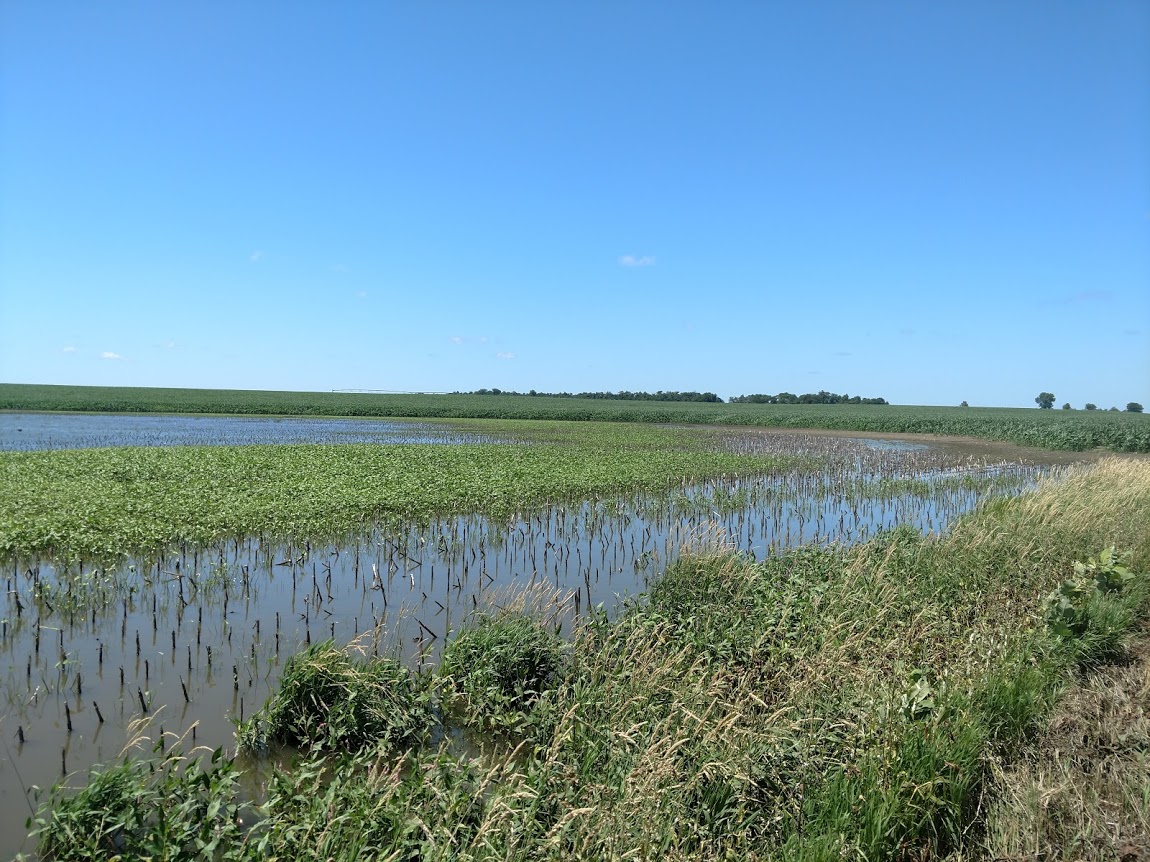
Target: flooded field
point(193, 640)
point(27, 432)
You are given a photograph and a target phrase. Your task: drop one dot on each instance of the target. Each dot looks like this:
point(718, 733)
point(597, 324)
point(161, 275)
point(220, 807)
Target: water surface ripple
point(197, 637)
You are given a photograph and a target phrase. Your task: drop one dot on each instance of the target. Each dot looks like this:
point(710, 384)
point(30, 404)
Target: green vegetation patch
point(100, 504)
point(170, 809)
point(328, 701)
point(496, 670)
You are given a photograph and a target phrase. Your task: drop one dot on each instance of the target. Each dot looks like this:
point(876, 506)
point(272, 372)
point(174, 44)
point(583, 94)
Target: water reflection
point(194, 640)
point(36, 431)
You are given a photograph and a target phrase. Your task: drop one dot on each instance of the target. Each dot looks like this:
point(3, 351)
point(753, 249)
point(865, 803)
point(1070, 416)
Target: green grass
point(1083, 793)
point(496, 669)
point(1052, 429)
point(165, 809)
point(330, 702)
point(826, 704)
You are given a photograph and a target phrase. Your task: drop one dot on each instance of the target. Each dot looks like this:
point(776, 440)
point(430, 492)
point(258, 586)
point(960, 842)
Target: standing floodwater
point(193, 640)
point(26, 432)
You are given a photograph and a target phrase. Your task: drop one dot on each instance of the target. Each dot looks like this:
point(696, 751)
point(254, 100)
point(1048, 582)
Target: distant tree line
point(820, 397)
point(709, 397)
point(1045, 400)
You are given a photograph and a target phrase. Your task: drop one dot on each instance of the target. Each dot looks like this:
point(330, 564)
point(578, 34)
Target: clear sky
point(928, 202)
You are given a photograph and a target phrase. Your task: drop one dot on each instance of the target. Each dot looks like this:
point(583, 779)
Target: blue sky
point(928, 202)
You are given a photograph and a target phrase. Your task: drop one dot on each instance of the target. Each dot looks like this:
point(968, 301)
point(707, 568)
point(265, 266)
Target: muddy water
point(190, 642)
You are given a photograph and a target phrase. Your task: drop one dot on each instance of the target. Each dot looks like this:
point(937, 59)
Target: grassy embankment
point(864, 703)
point(1076, 430)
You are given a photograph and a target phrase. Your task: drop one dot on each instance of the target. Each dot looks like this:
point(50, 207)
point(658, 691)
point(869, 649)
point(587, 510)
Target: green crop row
point(1050, 429)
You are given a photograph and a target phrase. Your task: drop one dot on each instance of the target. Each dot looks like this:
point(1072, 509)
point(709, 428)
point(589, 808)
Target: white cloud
point(361, 294)
point(255, 256)
point(504, 355)
point(455, 339)
point(108, 354)
point(633, 260)
point(69, 349)
point(169, 345)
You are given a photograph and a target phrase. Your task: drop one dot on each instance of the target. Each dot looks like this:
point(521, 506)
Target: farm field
point(585, 640)
point(585, 529)
point(1075, 430)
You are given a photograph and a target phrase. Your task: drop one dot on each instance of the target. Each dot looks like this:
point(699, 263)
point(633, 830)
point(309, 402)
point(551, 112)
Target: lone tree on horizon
point(1045, 400)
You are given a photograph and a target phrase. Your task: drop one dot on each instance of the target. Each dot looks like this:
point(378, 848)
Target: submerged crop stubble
point(828, 703)
point(240, 557)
